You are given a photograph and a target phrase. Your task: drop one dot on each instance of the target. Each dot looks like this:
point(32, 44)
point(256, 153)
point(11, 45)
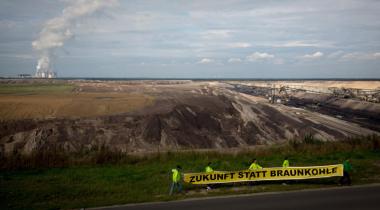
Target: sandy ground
point(367, 85)
point(83, 104)
point(98, 98)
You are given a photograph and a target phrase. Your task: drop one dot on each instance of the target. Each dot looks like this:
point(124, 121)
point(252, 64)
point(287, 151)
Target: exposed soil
point(158, 116)
point(364, 113)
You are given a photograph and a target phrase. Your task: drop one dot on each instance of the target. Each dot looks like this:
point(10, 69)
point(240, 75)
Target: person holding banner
point(176, 180)
point(208, 169)
point(254, 165)
point(347, 167)
point(285, 164)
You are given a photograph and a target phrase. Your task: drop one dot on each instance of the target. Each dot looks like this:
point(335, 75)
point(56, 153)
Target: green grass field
point(20, 89)
point(120, 179)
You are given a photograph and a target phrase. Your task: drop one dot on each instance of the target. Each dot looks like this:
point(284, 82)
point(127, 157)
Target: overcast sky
point(205, 38)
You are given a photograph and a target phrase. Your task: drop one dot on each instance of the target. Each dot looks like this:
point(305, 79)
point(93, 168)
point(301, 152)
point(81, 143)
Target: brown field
point(71, 105)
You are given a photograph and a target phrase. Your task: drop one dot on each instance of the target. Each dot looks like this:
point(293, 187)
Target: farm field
point(60, 101)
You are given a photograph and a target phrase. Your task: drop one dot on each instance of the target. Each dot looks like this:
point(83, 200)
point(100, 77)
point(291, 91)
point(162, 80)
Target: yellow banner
point(290, 173)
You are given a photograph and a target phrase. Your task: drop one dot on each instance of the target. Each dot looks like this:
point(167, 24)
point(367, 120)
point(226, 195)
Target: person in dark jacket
point(347, 168)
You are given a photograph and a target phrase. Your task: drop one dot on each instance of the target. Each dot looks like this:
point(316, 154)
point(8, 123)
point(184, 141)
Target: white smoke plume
point(59, 29)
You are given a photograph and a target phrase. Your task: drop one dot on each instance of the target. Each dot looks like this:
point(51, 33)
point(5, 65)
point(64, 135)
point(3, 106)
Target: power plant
point(58, 30)
point(43, 69)
point(45, 74)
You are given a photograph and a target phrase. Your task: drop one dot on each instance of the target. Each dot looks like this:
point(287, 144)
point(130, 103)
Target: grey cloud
point(143, 31)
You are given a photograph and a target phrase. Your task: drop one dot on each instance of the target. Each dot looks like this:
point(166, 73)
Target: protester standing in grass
point(208, 169)
point(176, 180)
point(285, 164)
point(347, 168)
point(254, 165)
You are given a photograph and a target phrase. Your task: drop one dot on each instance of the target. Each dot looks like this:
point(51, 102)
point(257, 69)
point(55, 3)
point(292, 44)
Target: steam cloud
point(57, 30)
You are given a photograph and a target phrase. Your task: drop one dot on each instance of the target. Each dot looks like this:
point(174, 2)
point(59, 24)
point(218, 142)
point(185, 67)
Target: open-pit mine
point(165, 115)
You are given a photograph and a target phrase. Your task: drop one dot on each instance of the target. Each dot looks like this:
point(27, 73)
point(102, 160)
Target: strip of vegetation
point(35, 88)
point(56, 180)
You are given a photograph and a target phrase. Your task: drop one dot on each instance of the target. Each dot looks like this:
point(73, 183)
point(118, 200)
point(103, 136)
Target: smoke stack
point(43, 69)
point(57, 30)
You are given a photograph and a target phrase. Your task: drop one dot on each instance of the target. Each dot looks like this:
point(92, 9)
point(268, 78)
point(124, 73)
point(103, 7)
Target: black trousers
point(345, 180)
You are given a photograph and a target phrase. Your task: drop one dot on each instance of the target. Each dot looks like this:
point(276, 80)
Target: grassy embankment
point(56, 180)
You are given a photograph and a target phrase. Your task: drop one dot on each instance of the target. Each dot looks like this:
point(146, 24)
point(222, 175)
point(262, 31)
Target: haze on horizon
point(200, 39)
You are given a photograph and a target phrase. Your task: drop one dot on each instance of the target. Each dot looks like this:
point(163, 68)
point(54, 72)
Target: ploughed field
point(153, 116)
